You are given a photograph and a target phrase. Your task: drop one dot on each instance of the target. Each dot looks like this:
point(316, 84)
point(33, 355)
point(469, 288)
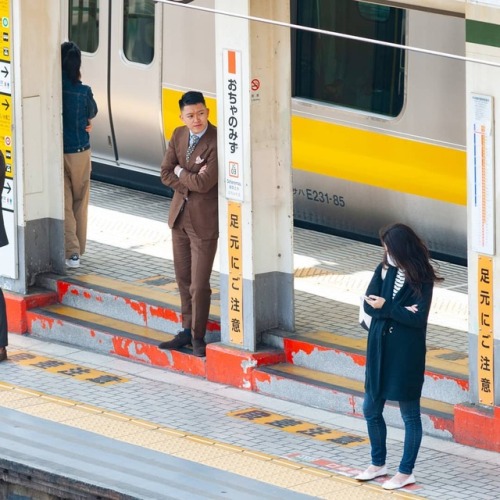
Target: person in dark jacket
point(3, 242)
point(79, 107)
point(398, 299)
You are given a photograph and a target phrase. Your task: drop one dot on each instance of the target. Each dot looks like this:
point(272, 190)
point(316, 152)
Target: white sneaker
point(371, 473)
point(397, 482)
point(73, 261)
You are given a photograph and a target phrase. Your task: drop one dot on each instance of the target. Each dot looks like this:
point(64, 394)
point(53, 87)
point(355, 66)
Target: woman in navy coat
point(3, 241)
point(398, 299)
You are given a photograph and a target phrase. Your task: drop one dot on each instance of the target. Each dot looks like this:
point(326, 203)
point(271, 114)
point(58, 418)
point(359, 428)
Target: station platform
point(88, 397)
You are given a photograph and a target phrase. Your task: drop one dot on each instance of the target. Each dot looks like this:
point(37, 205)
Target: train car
point(378, 133)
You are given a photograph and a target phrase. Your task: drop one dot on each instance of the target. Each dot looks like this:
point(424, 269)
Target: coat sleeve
point(400, 314)
point(203, 182)
point(91, 104)
point(374, 288)
point(396, 310)
point(170, 161)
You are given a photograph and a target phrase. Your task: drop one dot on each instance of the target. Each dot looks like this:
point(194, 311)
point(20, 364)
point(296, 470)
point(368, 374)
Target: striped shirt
point(398, 282)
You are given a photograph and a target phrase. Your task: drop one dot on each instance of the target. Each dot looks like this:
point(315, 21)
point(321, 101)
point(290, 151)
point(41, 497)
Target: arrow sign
point(6, 104)
point(8, 187)
point(5, 72)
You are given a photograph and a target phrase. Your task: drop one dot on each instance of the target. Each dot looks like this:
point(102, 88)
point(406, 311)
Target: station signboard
point(233, 163)
point(8, 254)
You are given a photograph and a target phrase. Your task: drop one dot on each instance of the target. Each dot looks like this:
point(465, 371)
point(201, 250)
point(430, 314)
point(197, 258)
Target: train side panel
point(372, 143)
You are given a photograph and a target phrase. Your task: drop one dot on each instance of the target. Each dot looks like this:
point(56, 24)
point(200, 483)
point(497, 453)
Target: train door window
point(83, 26)
point(349, 73)
point(139, 30)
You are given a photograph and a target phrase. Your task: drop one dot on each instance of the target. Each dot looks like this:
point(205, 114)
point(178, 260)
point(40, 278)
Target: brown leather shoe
point(180, 340)
point(199, 348)
point(3, 353)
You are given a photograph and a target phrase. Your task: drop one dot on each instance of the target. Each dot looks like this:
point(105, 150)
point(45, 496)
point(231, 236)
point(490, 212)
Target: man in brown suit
point(3, 241)
point(190, 168)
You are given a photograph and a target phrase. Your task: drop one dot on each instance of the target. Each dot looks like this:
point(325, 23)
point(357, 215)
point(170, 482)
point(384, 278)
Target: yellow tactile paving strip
point(265, 468)
point(296, 426)
point(69, 370)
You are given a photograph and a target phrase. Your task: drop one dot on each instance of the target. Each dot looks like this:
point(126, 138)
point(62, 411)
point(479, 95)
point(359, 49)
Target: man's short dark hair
point(190, 98)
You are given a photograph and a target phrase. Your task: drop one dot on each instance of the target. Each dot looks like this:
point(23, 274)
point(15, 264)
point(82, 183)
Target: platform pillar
point(476, 423)
point(31, 140)
point(255, 189)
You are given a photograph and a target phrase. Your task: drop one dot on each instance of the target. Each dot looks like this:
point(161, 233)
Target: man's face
point(195, 117)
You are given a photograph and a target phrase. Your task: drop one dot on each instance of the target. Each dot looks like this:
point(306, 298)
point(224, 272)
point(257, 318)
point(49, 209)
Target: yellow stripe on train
point(361, 156)
point(379, 160)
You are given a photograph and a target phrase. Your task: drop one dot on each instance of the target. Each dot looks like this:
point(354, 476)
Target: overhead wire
point(282, 24)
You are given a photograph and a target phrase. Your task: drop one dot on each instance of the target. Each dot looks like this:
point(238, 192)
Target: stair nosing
point(271, 369)
point(115, 292)
point(429, 367)
point(46, 311)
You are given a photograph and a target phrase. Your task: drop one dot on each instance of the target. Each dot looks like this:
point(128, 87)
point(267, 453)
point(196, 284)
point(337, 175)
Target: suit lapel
point(200, 148)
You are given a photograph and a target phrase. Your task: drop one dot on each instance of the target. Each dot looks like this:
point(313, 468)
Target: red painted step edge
point(18, 305)
point(235, 367)
point(477, 426)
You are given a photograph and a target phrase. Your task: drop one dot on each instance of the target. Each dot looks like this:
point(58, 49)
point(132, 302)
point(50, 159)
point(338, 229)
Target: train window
point(83, 26)
point(139, 30)
point(345, 72)
point(374, 12)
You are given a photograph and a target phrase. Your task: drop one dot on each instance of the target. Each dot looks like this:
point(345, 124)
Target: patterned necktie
point(192, 145)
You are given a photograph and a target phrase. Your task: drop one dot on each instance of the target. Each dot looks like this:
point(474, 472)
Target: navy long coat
point(3, 236)
point(395, 361)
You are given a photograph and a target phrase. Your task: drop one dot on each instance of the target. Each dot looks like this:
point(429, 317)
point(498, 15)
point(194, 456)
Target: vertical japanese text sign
point(6, 98)
point(233, 167)
point(235, 286)
point(485, 333)
point(233, 121)
point(8, 254)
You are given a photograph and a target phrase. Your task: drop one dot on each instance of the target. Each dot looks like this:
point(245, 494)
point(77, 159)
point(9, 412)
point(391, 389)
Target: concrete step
point(107, 335)
point(343, 395)
point(322, 369)
point(446, 376)
point(139, 303)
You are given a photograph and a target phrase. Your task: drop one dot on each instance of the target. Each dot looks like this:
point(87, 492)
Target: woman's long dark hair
point(410, 253)
point(71, 61)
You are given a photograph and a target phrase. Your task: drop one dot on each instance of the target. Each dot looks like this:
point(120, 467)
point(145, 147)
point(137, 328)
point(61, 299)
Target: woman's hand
point(375, 301)
point(413, 308)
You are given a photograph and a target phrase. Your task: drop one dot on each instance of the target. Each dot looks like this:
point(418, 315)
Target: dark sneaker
point(3, 353)
point(180, 340)
point(73, 261)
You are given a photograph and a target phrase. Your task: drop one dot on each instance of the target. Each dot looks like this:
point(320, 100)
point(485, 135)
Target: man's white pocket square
point(199, 160)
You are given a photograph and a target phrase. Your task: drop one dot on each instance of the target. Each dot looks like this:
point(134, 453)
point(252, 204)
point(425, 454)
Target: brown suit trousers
point(193, 261)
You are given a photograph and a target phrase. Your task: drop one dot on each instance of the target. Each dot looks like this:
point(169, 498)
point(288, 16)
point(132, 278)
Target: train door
point(121, 61)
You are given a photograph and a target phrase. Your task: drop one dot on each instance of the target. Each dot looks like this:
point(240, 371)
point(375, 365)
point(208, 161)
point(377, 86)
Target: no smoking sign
point(255, 84)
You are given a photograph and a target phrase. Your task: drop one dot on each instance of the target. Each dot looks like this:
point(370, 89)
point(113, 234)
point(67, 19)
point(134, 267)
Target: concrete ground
point(150, 433)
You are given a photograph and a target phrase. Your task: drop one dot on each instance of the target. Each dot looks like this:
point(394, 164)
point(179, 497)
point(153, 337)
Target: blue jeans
point(377, 431)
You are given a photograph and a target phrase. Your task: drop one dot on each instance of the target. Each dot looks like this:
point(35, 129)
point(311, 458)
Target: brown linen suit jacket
point(3, 236)
point(200, 189)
